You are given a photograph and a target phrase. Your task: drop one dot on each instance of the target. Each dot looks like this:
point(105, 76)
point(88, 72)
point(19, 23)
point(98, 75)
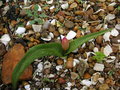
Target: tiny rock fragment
point(73, 5)
point(11, 59)
point(37, 28)
point(71, 35)
point(46, 25)
point(107, 50)
point(40, 67)
point(59, 67)
point(81, 67)
point(114, 32)
point(20, 30)
point(110, 17)
point(39, 8)
point(99, 67)
point(53, 22)
point(86, 82)
point(27, 87)
point(95, 77)
point(65, 6)
point(95, 49)
point(117, 26)
point(106, 36)
point(69, 24)
point(104, 87)
point(69, 63)
point(76, 61)
point(60, 61)
point(61, 80)
point(99, 39)
point(74, 75)
point(116, 40)
point(87, 76)
point(49, 1)
point(5, 39)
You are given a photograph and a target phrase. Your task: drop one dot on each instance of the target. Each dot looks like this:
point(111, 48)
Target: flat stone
point(73, 5)
point(69, 24)
point(11, 59)
point(99, 67)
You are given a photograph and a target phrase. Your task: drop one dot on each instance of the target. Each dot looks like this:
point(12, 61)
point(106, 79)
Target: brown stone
point(11, 59)
point(79, 12)
point(104, 87)
point(69, 63)
point(60, 61)
point(78, 34)
point(87, 76)
point(110, 8)
point(99, 39)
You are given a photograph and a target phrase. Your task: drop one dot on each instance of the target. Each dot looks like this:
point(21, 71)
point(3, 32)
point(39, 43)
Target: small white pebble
point(112, 4)
point(95, 49)
point(52, 7)
point(76, 50)
point(47, 64)
point(98, 67)
point(59, 67)
point(5, 39)
point(110, 59)
point(101, 80)
point(39, 8)
point(110, 17)
point(40, 67)
point(65, 6)
point(51, 35)
point(75, 61)
point(99, 10)
point(45, 89)
point(84, 88)
point(46, 24)
point(107, 50)
point(51, 75)
point(25, 2)
point(114, 32)
point(49, 1)
point(28, 23)
point(27, 87)
point(105, 26)
point(86, 82)
point(106, 36)
point(53, 22)
point(37, 28)
point(69, 84)
point(20, 30)
point(117, 26)
point(71, 35)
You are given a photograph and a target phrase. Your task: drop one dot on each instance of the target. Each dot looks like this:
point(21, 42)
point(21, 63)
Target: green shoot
point(99, 56)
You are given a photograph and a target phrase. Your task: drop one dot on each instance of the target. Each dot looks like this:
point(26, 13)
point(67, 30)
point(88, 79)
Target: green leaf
point(118, 7)
point(80, 1)
point(43, 15)
point(40, 21)
point(35, 52)
point(32, 22)
point(36, 7)
point(29, 13)
point(79, 41)
point(99, 56)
